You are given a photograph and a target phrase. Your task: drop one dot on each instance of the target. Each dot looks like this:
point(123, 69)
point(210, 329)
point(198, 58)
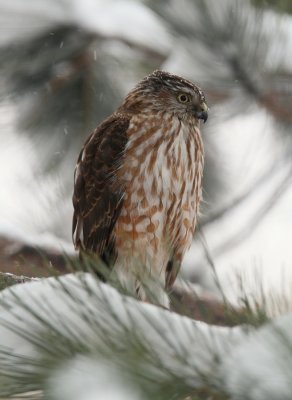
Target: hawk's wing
point(98, 193)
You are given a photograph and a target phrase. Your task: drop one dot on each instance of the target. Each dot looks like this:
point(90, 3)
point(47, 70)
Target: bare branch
point(254, 221)
point(255, 187)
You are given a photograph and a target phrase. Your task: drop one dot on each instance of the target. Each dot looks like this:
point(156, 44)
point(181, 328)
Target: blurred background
point(66, 64)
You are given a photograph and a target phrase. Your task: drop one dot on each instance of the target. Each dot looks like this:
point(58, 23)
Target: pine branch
point(55, 320)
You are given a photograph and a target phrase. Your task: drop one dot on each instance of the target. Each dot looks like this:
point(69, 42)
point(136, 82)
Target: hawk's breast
point(162, 175)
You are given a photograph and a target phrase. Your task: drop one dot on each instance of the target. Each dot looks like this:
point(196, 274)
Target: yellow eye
point(184, 98)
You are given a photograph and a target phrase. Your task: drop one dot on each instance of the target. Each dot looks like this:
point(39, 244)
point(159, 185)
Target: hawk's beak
point(203, 112)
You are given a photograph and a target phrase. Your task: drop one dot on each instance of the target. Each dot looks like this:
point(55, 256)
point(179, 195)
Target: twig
point(255, 187)
point(7, 279)
point(254, 221)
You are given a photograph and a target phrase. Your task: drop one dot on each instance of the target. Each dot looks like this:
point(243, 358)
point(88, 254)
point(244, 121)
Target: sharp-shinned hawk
point(138, 181)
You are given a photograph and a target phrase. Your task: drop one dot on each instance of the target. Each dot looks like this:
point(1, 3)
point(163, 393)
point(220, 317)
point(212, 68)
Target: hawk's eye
point(184, 98)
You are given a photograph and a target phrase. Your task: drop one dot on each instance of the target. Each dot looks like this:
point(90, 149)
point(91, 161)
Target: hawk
point(138, 181)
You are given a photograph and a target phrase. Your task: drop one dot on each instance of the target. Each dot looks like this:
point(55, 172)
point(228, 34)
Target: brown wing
point(97, 197)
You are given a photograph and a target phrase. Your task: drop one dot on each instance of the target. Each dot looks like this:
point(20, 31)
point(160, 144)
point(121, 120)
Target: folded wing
point(98, 193)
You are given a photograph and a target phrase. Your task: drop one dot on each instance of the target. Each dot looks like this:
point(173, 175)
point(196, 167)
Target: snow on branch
point(47, 324)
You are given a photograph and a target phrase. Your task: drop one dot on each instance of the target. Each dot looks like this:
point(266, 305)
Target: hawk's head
point(162, 91)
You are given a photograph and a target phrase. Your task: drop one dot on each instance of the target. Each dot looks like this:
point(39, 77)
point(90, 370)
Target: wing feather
point(98, 193)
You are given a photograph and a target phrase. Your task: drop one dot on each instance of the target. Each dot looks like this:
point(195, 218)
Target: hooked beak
point(202, 113)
